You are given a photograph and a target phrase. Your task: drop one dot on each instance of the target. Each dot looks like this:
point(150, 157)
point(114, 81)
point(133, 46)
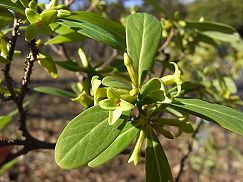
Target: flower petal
point(125, 106)
point(114, 116)
point(107, 104)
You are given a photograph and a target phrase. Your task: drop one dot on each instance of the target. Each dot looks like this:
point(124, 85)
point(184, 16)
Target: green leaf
point(6, 17)
point(3, 60)
point(97, 33)
point(47, 62)
point(55, 92)
point(84, 99)
point(95, 19)
point(215, 30)
point(6, 167)
point(45, 29)
point(66, 38)
point(126, 136)
point(31, 32)
point(107, 104)
point(69, 65)
point(85, 137)
point(32, 15)
point(13, 6)
point(116, 82)
point(156, 163)
point(143, 33)
point(4, 120)
point(48, 16)
point(154, 91)
point(61, 29)
point(226, 117)
point(98, 28)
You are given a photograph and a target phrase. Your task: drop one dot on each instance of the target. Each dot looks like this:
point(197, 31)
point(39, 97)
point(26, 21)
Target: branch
point(110, 59)
point(68, 2)
point(6, 71)
point(60, 50)
point(28, 145)
point(168, 40)
point(29, 63)
point(189, 151)
point(11, 142)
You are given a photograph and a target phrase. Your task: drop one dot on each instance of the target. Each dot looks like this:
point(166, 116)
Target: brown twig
point(168, 40)
point(29, 143)
point(189, 151)
point(68, 2)
point(110, 59)
point(11, 142)
point(60, 50)
point(6, 71)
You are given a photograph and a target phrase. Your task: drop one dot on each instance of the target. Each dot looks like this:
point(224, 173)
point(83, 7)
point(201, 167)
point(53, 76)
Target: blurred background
point(217, 155)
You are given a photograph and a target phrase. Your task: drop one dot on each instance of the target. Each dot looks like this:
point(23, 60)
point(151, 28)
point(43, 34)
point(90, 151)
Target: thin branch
point(12, 142)
point(64, 50)
point(189, 151)
point(168, 40)
point(60, 50)
point(29, 63)
point(110, 59)
point(30, 145)
point(68, 2)
point(6, 71)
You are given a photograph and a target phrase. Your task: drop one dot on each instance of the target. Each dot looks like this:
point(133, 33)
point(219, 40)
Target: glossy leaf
point(13, 6)
point(96, 27)
point(226, 117)
point(143, 33)
point(69, 65)
point(48, 16)
point(215, 30)
point(97, 33)
point(154, 91)
point(31, 32)
point(156, 163)
point(61, 29)
point(126, 136)
point(66, 38)
point(116, 82)
point(95, 19)
point(6, 17)
point(32, 15)
point(55, 92)
point(47, 62)
point(45, 29)
point(85, 137)
point(84, 99)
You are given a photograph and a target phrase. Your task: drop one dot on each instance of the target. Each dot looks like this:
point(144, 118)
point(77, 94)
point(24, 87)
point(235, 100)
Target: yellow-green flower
point(116, 106)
